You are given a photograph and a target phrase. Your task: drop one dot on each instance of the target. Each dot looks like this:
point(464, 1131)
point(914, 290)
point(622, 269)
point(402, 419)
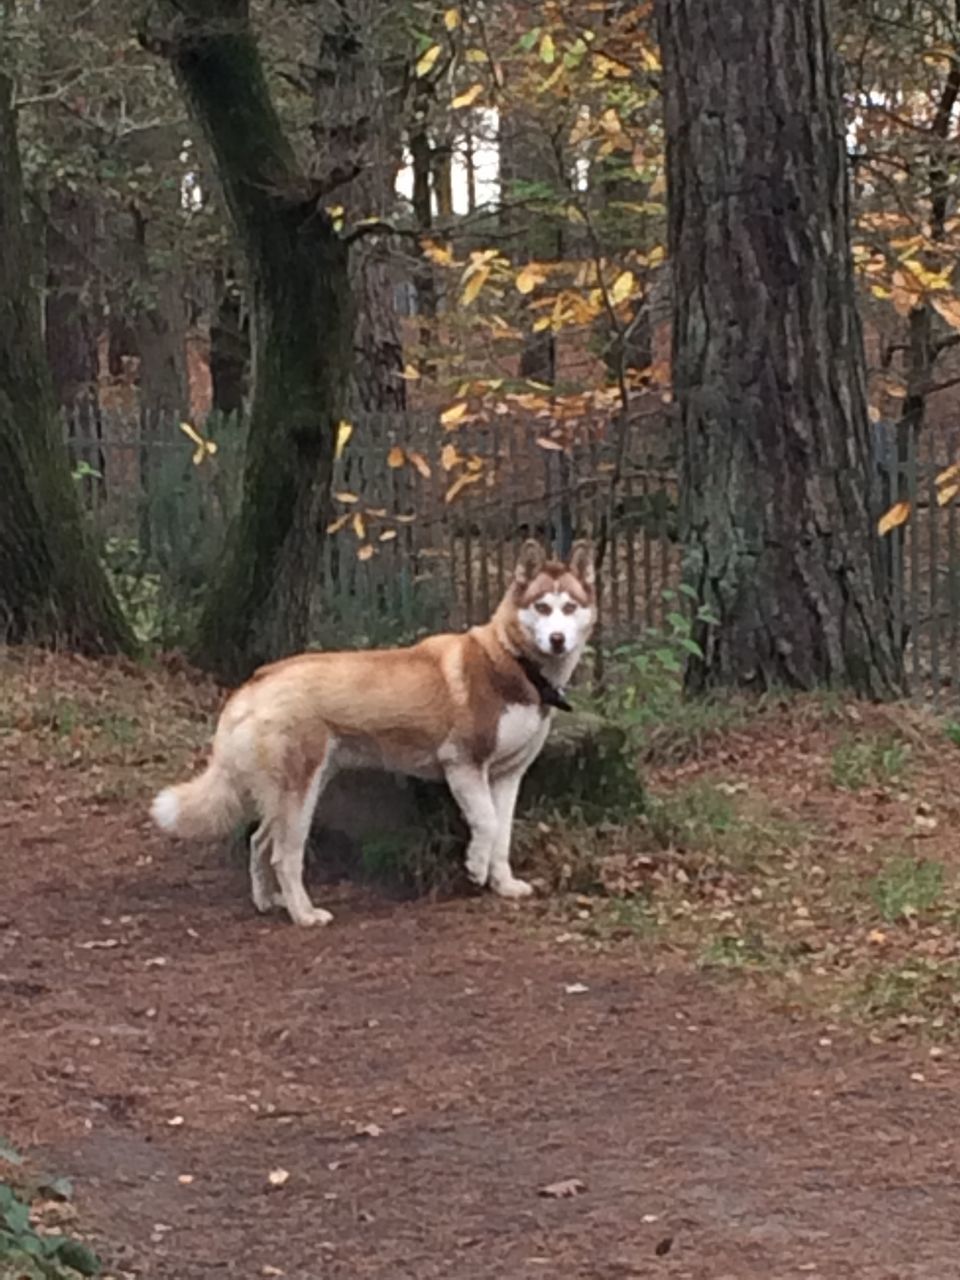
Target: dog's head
point(555, 603)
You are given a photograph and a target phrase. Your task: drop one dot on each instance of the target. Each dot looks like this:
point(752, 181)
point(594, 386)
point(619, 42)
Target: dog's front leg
point(502, 879)
point(470, 787)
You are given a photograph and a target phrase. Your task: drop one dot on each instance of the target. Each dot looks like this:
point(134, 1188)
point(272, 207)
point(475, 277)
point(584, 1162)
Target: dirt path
point(154, 1031)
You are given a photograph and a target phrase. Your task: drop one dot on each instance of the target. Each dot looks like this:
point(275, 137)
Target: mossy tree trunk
point(53, 589)
point(769, 377)
point(302, 337)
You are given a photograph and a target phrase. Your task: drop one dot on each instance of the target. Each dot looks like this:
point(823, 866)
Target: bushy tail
point(202, 809)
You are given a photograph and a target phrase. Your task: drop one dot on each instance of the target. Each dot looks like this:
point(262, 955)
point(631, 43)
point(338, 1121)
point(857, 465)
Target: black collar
point(550, 695)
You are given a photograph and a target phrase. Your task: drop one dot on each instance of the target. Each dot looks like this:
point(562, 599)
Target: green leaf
point(76, 1254)
point(529, 39)
point(690, 646)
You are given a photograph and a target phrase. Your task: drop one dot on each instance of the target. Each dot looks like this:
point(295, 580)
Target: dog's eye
point(569, 608)
point(543, 608)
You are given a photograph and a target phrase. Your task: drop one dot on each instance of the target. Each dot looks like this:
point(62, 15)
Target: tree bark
point(229, 345)
point(53, 589)
point(359, 90)
point(302, 328)
point(769, 376)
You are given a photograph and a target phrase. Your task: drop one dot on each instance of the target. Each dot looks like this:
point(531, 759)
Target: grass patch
point(722, 824)
point(917, 993)
point(859, 762)
point(907, 887)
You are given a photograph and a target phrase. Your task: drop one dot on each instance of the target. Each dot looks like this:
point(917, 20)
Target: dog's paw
point(511, 887)
point(316, 915)
point(478, 873)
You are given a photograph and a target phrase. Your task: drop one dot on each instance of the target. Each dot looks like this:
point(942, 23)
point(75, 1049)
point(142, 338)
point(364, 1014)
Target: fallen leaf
point(664, 1246)
point(369, 1131)
point(185, 1179)
point(575, 988)
point(565, 1189)
point(278, 1177)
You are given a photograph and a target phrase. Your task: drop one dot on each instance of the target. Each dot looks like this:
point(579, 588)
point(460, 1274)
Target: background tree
point(768, 362)
point(52, 587)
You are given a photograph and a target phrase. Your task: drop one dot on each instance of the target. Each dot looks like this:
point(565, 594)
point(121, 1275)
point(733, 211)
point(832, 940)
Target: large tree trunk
point(52, 587)
point(359, 89)
point(297, 265)
point(768, 358)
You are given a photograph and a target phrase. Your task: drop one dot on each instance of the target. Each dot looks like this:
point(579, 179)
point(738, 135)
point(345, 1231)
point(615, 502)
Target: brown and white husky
point(473, 709)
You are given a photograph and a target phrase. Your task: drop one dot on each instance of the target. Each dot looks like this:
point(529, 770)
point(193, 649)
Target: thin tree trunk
point(302, 328)
point(53, 589)
point(777, 485)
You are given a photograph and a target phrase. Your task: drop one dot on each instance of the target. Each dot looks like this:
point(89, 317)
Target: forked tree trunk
point(258, 606)
point(53, 589)
point(778, 514)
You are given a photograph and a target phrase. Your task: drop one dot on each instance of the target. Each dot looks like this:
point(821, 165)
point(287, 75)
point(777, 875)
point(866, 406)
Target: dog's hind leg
point(470, 787)
point(290, 832)
point(264, 888)
point(502, 879)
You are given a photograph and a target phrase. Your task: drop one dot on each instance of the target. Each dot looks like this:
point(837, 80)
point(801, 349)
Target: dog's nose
point(557, 642)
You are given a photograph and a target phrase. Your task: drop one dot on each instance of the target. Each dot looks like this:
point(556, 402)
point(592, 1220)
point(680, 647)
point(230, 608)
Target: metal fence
point(414, 561)
point(404, 558)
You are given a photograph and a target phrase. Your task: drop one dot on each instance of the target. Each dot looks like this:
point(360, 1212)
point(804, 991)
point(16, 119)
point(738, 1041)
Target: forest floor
point(733, 1055)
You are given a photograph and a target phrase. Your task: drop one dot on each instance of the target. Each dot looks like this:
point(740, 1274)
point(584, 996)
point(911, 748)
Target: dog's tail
point(206, 807)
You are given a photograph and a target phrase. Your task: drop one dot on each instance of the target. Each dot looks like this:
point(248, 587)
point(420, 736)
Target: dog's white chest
point(521, 729)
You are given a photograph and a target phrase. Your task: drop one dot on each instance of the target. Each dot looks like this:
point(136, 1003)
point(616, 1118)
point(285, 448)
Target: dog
point(472, 708)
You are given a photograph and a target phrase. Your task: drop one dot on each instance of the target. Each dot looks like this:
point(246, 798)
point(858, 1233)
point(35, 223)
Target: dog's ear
point(581, 563)
point(529, 563)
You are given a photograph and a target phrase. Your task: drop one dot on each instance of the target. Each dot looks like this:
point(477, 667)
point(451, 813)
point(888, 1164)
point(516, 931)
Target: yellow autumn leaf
point(622, 287)
point(346, 497)
point(476, 55)
point(451, 19)
point(461, 482)
point(947, 494)
point(427, 61)
point(467, 98)
point(473, 286)
point(410, 372)
point(546, 443)
point(388, 535)
point(336, 525)
point(529, 277)
point(359, 525)
point(366, 552)
point(949, 473)
point(548, 50)
point(396, 457)
point(204, 449)
point(441, 254)
point(344, 432)
point(419, 461)
point(449, 457)
point(898, 514)
point(453, 414)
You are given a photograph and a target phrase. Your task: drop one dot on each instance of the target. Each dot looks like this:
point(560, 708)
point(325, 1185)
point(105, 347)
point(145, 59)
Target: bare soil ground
point(422, 1071)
